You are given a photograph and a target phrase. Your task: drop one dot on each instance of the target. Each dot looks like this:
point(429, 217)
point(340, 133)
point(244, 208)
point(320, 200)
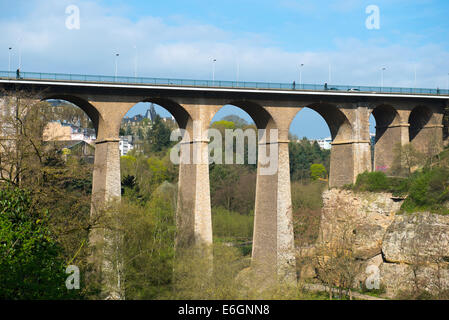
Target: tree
point(317, 170)
point(158, 135)
point(129, 131)
point(57, 186)
point(302, 155)
point(31, 266)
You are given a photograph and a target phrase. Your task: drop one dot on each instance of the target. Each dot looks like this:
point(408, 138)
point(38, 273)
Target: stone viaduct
point(400, 119)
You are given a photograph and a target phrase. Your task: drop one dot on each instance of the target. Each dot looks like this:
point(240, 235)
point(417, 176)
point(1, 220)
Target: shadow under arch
point(260, 116)
point(387, 138)
point(81, 103)
point(418, 119)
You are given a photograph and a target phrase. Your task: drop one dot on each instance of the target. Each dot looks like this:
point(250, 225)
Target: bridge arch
point(338, 123)
point(180, 114)
point(268, 219)
point(93, 114)
point(425, 131)
point(341, 169)
point(418, 119)
point(388, 136)
point(260, 116)
point(232, 185)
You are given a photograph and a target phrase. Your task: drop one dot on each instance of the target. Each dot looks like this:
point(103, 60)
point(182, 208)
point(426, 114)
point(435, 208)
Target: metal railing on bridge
point(213, 83)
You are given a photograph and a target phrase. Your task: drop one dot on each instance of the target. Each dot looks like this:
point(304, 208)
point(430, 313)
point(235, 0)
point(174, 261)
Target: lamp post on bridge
point(300, 75)
point(382, 77)
point(213, 71)
point(415, 78)
point(447, 82)
point(116, 61)
point(135, 61)
point(9, 60)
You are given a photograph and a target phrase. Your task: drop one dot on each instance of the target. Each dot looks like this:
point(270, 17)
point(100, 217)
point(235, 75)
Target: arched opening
point(324, 153)
point(154, 215)
point(69, 130)
point(418, 119)
point(425, 131)
point(309, 154)
point(310, 143)
point(387, 137)
point(233, 176)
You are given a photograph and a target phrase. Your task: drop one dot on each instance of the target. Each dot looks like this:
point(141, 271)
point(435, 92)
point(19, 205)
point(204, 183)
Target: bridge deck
point(6, 76)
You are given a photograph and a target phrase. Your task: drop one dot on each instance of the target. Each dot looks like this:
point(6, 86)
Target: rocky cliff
point(399, 252)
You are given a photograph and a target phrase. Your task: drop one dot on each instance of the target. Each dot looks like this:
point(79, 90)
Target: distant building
point(325, 143)
point(125, 145)
point(57, 131)
point(79, 149)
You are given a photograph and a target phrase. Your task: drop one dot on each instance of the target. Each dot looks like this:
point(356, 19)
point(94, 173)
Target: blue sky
point(267, 39)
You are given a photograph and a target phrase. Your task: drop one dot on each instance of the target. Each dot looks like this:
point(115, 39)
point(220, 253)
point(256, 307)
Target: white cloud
point(184, 49)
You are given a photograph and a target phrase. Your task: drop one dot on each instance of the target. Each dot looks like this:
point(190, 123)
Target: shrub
point(317, 170)
point(227, 224)
point(372, 181)
point(428, 191)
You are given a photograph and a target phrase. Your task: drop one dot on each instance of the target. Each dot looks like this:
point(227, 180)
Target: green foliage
point(238, 122)
point(223, 124)
point(31, 266)
point(227, 277)
point(158, 135)
point(428, 191)
point(233, 187)
point(372, 181)
point(317, 170)
point(159, 172)
point(303, 155)
point(306, 203)
point(425, 190)
point(148, 246)
point(228, 224)
point(307, 195)
point(128, 166)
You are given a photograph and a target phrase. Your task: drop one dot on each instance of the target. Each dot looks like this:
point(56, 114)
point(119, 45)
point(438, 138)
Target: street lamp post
point(447, 82)
point(238, 70)
point(382, 77)
point(300, 74)
point(415, 77)
point(213, 70)
point(116, 62)
point(135, 61)
point(9, 60)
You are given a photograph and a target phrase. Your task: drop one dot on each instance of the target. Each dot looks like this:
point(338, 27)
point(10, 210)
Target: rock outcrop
point(405, 252)
point(422, 236)
point(365, 215)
